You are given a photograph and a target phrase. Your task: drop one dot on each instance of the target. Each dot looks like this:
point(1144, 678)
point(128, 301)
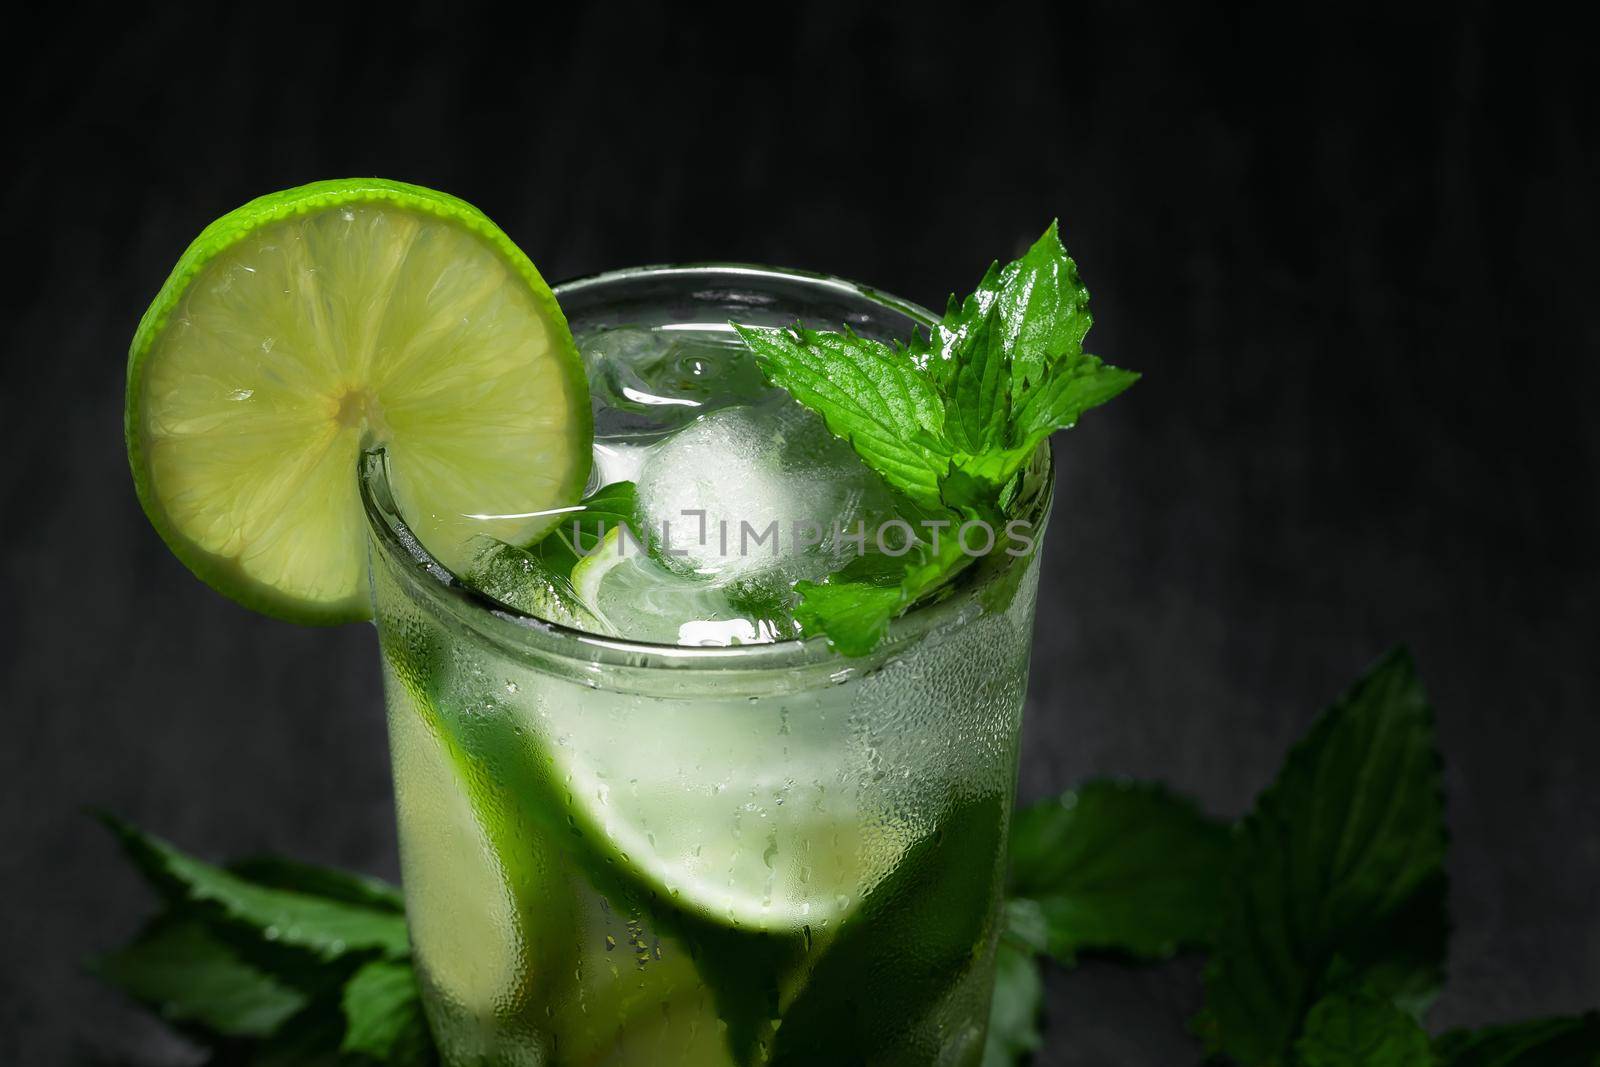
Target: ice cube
point(757, 492)
point(650, 381)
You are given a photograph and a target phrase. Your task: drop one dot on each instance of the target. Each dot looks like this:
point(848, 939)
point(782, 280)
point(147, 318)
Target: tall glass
point(626, 853)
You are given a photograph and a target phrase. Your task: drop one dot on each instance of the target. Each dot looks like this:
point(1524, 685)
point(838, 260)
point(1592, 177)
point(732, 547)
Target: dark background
point(1353, 257)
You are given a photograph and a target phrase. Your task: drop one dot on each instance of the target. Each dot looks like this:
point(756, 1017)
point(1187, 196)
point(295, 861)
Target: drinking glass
point(617, 852)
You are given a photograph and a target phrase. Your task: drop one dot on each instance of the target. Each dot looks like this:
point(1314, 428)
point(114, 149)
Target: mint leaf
point(1066, 391)
point(383, 1015)
point(1361, 1030)
point(1010, 358)
point(1572, 1041)
point(183, 971)
point(1337, 881)
point(579, 533)
point(1119, 867)
point(1015, 1009)
point(1044, 309)
point(279, 873)
point(855, 612)
point(310, 1039)
point(978, 397)
point(867, 393)
point(284, 964)
point(854, 615)
point(949, 419)
point(327, 928)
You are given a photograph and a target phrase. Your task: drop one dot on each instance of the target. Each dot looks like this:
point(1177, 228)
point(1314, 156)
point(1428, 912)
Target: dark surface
point(1355, 261)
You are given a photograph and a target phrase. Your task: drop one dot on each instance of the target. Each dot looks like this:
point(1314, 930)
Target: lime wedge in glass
point(710, 821)
point(315, 322)
point(469, 934)
point(488, 900)
point(632, 594)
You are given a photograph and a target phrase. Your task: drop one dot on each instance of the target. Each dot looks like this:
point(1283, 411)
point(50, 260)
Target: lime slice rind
point(228, 568)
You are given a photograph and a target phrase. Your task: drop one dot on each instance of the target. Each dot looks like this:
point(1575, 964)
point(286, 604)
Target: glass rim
point(521, 633)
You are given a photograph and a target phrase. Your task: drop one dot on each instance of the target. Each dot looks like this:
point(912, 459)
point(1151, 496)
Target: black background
point(1353, 257)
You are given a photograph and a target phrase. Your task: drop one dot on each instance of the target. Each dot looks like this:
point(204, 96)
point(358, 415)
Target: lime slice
point(311, 323)
point(495, 921)
point(462, 913)
point(632, 594)
point(488, 904)
point(729, 811)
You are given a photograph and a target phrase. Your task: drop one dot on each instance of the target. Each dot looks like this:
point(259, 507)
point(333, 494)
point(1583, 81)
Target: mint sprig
point(1339, 883)
point(273, 962)
point(948, 419)
point(312, 922)
point(1323, 909)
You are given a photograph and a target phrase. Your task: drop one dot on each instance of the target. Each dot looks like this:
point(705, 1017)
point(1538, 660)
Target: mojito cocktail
point(704, 598)
point(736, 850)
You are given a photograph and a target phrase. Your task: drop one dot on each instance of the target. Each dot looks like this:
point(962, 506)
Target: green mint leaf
point(855, 606)
point(1010, 361)
point(276, 872)
point(1337, 881)
point(1121, 867)
point(867, 393)
point(383, 1015)
point(1063, 395)
point(325, 927)
point(1043, 308)
point(1016, 1008)
point(579, 532)
point(1361, 1030)
point(854, 615)
point(184, 972)
point(1572, 1041)
point(977, 406)
point(310, 1039)
point(993, 349)
point(1066, 391)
